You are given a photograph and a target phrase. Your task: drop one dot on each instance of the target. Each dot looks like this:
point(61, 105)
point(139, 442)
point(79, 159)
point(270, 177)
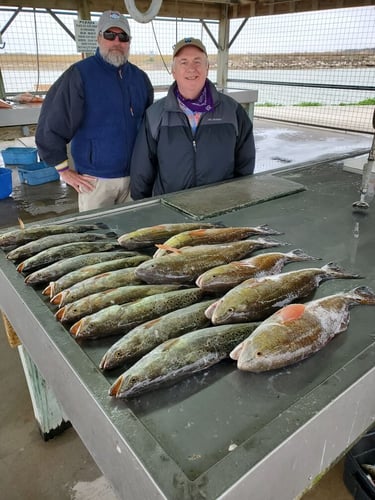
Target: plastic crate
point(355, 477)
point(37, 173)
point(5, 182)
point(19, 156)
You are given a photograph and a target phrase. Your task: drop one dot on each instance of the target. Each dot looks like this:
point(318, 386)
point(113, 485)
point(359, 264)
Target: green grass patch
point(267, 104)
point(365, 102)
point(306, 104)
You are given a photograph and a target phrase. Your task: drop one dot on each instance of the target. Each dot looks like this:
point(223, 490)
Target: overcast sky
point(328, 30)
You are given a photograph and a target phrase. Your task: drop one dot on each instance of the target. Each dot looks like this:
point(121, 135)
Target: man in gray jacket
point(194, 136)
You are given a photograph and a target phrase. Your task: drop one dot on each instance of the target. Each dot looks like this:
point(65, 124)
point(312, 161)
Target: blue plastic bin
point(19, 156)
point(5, 182)
point(37, 173)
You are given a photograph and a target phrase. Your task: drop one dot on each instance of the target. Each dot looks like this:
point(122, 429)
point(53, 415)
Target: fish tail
point(116, 387)
point(272, 243)
point(336, 271)
point(265, 227)
point(363, 295)
point(300, 255)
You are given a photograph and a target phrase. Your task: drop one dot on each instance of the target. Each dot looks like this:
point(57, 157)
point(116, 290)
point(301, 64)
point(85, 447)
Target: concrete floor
point(62, 468)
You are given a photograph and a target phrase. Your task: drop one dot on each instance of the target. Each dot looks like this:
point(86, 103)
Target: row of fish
point(193, 303)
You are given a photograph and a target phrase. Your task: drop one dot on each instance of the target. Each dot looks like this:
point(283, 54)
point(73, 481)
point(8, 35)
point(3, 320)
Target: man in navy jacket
point(194, 136)
point(96, 105)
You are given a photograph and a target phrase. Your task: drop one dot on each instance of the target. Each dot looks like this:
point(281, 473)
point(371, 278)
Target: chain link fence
point(312, 68)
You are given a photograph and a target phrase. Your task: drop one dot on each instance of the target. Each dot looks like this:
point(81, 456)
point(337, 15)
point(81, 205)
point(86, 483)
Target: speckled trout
point(257, 298)
point(187, 263)
point(120, 319)
point(178, 358)
point(148, 236)
point(33, 247)
point(298, 330)
point(61, 267)
point(70, 279)
point(97, 283)
point(145, 337)
point(60, 252)
point(212, 236)
point(223, 278)
point(23, 235)
point(72, 312)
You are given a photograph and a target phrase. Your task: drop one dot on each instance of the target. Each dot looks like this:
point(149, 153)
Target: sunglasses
point(111, 36)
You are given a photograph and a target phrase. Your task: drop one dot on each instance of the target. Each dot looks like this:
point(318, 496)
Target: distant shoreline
point(325, 60)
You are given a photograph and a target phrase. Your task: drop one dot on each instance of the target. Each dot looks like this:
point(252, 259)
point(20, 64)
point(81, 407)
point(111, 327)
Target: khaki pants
point(107, 192)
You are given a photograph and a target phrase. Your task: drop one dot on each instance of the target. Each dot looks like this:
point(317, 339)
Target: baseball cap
point(112, 19)
point(185, 42)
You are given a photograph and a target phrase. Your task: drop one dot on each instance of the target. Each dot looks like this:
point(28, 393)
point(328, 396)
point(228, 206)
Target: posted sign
point(85, 33)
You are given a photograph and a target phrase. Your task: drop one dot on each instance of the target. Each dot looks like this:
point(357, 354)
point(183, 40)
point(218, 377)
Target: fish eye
point(259, 353)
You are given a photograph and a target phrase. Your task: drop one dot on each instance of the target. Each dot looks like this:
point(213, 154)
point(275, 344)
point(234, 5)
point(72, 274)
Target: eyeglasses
point(111, 36)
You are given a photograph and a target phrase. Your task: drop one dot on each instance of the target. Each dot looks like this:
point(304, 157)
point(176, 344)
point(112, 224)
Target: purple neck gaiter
point(203, 103)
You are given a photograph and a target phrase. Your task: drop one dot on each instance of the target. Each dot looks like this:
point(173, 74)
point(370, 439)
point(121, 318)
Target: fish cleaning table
point(223, 433)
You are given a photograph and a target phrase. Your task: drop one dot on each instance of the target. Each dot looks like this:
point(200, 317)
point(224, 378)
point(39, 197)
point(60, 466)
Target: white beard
point(114, 57)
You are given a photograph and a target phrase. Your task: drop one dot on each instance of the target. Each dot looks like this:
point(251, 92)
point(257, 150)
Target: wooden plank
point(196, 9)
point(47, 410)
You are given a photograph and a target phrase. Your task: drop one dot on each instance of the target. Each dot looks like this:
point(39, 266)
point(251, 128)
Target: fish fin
point(291, 312)
point(21, 223)
point(168, 248)
point(235, 353)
